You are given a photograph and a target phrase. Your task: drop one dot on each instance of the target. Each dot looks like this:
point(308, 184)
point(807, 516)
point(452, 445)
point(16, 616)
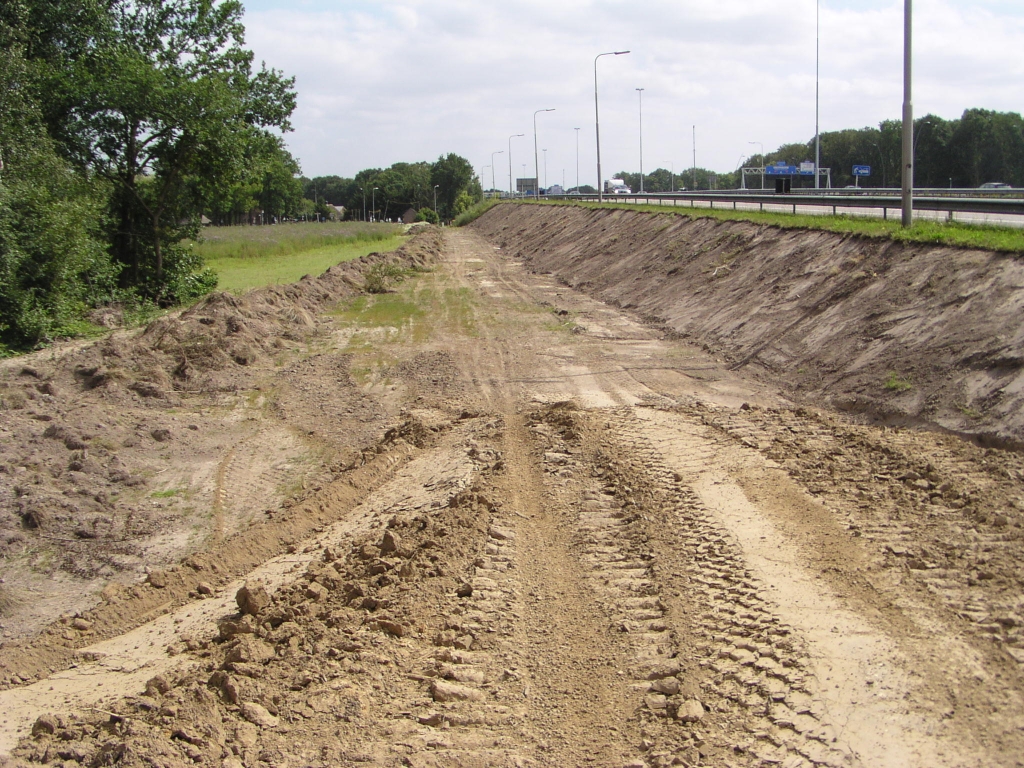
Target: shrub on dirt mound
point(203, 347)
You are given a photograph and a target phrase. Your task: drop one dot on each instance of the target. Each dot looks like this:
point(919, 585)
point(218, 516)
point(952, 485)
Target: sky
point(409, 80)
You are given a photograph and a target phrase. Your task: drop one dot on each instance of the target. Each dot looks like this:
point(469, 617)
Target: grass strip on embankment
point(247, 257)
point(984, 236)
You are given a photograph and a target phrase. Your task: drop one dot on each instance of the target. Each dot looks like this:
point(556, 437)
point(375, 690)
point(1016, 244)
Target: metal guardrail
point(951, 205)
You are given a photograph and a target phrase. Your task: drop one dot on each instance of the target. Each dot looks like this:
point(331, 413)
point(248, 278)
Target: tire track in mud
point(865, 675)
point(430, 480)
point(250, 476)
point(924, 505)
point(871, 679)
point(711, 661)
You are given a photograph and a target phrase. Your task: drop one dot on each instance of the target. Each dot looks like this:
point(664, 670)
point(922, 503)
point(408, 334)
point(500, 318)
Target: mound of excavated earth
point(489, 519)
point(907, 332)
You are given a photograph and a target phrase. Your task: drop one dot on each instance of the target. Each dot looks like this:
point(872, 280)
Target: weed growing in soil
point(170, 493)
point(896, 383)
point(380, 277)
point(983, 236)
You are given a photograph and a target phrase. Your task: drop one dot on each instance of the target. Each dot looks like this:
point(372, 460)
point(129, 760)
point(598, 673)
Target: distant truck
point(616, 187)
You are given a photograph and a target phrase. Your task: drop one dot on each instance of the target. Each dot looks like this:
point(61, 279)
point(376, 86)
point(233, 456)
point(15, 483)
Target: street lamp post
point(577, 160)
point(762, 160)
point(640, 93)
point(908, 122)
point(499, 152)
point(817, 57)
point(373, 204)
point(435, 203)
point(695, 158)
point(536, 163)
point(511, 192)
point(597, 123)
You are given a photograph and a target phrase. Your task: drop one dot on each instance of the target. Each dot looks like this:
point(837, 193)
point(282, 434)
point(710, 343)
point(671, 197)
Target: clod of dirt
point(252, 598)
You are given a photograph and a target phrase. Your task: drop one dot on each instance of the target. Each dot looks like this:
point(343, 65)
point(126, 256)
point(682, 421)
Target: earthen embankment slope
point(905, 331)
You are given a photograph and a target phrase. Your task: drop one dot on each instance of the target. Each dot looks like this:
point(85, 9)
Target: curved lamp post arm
point(597, 123)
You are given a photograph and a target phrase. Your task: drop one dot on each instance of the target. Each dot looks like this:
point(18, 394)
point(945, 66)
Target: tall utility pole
point(817, 49)
point(577, 160)
point(511, 191)
point(597, 123)
point(908, 122)
point(640, 93)
point(536, 162)
point(695, 157)
point(499, 152)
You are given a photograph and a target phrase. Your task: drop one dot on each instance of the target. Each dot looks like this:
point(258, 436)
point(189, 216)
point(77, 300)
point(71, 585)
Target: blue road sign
point(862, 170)
point(781, 170)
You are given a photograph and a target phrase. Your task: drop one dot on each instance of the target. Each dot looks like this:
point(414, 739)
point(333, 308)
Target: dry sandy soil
point(487, 520)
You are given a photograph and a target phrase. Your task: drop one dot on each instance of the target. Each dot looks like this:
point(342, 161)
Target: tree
point(163, 104)
point(53, 264)
point(453, 175)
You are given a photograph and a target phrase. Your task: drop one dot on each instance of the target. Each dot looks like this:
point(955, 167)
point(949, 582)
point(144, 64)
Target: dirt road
point(573, 542)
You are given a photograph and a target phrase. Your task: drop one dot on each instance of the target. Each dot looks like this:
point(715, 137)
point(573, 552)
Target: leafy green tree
point(162, 104)
point(53, 265)
point(453, 175)
point(282, 189)
point(988, 146)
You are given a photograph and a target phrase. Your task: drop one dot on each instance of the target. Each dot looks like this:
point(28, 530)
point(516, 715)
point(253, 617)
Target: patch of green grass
point(970, 413)
point(983, 236)
point(457, 304)
point(391, 310)
point(240, 273)
point(896, 383)
point(475, 212)
point(244, 242)
point(171, 492)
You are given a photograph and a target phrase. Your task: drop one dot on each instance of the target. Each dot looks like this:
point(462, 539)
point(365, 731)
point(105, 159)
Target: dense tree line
point(382, 195)
point(979, 147)
point(121, 121)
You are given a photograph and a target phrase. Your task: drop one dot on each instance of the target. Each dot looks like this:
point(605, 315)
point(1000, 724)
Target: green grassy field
point(251, 257)
point(986, 237)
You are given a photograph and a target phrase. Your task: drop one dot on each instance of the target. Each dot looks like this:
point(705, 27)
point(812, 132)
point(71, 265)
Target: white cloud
point(382, 82)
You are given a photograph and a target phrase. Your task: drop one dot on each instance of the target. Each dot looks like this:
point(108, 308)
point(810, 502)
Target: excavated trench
point(909, 334)
point(521, 511)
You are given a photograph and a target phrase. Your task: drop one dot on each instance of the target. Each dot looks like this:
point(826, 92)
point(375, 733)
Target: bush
point(380, 277)
point(53, 265)
point(428, 215)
